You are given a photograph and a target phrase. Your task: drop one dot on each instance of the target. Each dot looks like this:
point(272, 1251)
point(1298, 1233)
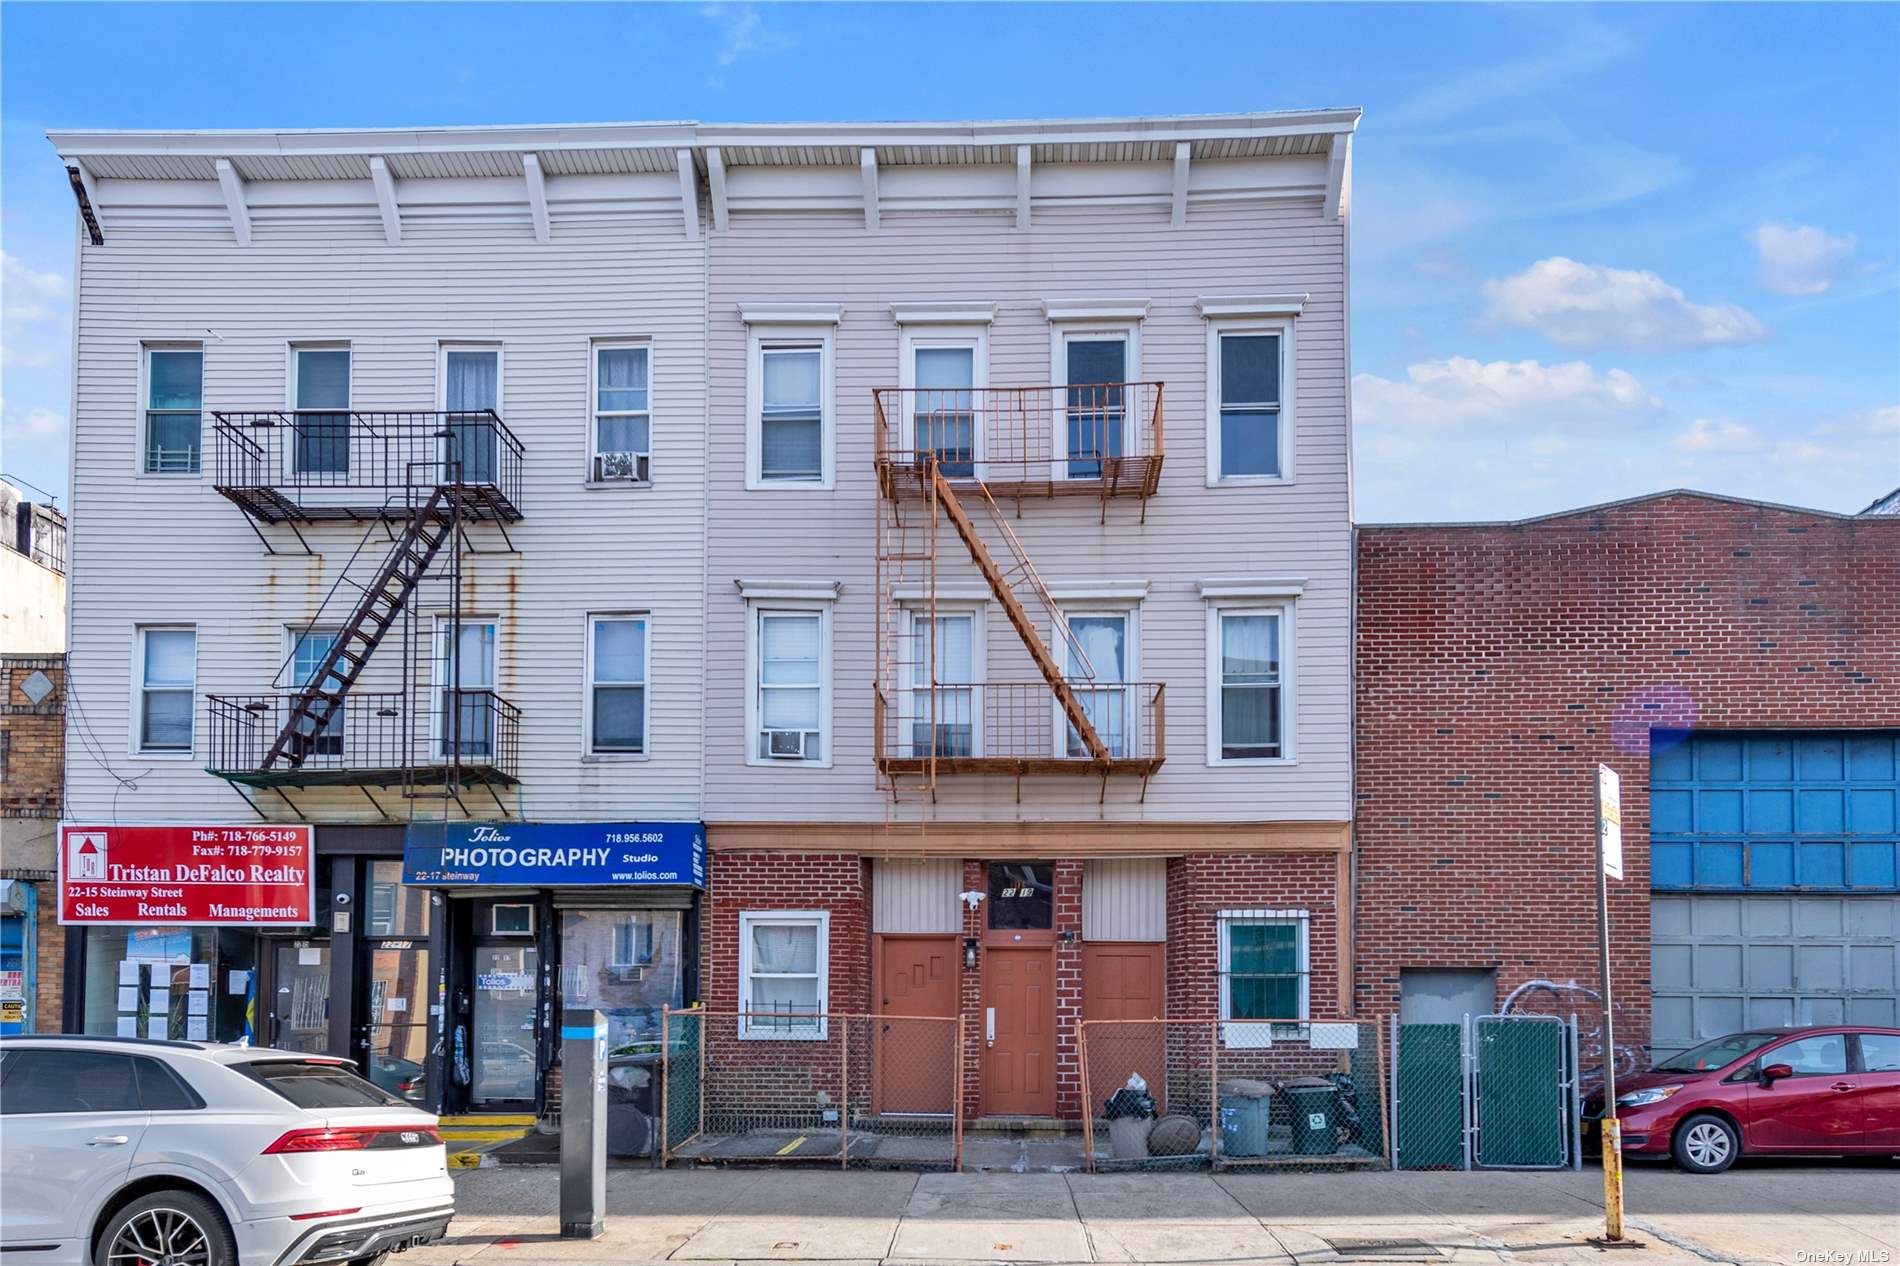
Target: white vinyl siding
point(784, 972)
point(1125, 899)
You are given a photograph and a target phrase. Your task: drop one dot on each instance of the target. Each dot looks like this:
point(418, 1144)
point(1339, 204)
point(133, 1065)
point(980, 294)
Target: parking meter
point(583, 1123)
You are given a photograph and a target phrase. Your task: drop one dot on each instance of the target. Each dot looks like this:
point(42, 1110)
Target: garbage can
point(1244, 1109)
point(1311, 1102)
point(633, 1102)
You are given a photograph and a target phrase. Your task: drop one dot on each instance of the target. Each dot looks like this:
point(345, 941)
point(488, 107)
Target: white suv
point(120, 1152)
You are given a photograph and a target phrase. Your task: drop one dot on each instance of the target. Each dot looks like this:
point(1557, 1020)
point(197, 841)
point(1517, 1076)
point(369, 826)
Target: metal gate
point(1494, 1092)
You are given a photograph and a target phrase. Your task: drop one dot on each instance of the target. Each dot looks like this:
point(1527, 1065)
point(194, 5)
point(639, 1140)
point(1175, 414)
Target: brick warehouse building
point(1737, 663)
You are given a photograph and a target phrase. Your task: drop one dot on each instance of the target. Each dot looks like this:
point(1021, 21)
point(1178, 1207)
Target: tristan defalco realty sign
point(1610, 820)
point(144, 875)
point(551, 854)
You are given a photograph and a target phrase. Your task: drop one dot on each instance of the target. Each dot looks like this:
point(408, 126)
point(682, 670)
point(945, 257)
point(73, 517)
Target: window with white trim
point(943, 697)
point(1095, 370)
point(945, 422)
point(174, 409)
point(1265, 965)
point(789, 681)
point(622, 426)
point(616, 685)
point(1099, 658)
point(320, 409)
point(168, 683)
point(791, 412)
point(308, 649)
point(783, 973)
point(1247, 683)
point(1250, 400)
point(465, 715)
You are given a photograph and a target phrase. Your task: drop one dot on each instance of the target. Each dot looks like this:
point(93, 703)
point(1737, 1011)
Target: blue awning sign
point(554, 854)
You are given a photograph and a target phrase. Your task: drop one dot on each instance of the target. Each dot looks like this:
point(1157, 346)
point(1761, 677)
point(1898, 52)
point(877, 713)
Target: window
point(69, 1081)
point(168, 677)
point(1879, 1053)
point(162, 1090)
point(307, 653)
point(320, 401)
point(1824, 1055)
point(317, 1084)
point(1095, 369)
point(635, 940)
point(791, 413)
point(174, 410)
point(943, 407)
point(1022, 896)
point(394, 908)
point(782, 970)
point(944, 718)
point(616, 684)
point(1099, 652)
point(465, 711)
point(1250, 401)
point(1263, 971)
point(512, 919)
point(790, 681)
point(622, 431)
point(471, 394)
point(1248, 706)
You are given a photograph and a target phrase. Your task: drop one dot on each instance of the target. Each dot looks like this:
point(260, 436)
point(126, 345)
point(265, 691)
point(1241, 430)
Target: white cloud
point(45, 421)
point(26, 294)
point(1520, 395)
point(743, 32)
point(1717, 435)
point(1799, 259)
point(1589, 306)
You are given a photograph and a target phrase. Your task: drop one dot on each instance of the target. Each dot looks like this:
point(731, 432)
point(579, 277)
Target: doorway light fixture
point(969, 953)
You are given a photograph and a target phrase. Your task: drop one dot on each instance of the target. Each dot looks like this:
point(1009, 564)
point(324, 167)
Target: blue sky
point(1597, 250)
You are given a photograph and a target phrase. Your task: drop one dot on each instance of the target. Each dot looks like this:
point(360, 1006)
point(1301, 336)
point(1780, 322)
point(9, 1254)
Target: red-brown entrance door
point(916, 1024)
point(1123, 981)
point(1019, 1051)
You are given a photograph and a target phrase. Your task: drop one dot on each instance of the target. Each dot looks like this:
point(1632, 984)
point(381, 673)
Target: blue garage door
point(1773, 860)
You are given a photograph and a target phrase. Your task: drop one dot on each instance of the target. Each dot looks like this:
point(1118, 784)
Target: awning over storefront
point(555, 854)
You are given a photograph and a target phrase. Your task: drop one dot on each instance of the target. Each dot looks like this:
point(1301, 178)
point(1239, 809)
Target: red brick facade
point(1497, 664)
point(32, 783)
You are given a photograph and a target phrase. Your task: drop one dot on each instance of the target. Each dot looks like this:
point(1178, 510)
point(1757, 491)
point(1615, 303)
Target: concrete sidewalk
point(1785, 1214)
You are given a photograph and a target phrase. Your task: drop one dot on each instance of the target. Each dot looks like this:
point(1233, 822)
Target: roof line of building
point(1609, 505)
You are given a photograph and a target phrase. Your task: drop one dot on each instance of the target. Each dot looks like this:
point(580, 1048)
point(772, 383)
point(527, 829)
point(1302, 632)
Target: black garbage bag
point(1129, 1102)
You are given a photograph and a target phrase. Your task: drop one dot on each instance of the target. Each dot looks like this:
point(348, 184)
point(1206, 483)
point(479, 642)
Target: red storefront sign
point(187, 874)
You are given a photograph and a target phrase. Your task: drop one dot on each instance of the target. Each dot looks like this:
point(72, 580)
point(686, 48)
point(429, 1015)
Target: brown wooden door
point(1019, 1061)
point(1123, 981)
point(915, 1057)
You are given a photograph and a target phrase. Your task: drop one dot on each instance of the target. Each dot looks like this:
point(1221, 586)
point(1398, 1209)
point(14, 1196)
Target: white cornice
point(1098, 590)
point(1252, 305)
point(943, 312)
point(778, 312)
point(798, 590)
point(1095, 309)
point(1253, 587)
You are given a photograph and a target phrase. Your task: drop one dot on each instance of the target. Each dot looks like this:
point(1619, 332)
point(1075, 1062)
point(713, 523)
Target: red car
point(1817, 1091)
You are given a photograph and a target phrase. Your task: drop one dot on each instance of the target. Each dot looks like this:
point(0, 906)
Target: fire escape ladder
point(999, 584)
point(384, 600)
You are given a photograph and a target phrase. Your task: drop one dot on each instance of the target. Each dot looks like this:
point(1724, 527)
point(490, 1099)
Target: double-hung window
point(783, 958)
point(1099, 651)
point(307, 652)
point(1264, 964)
point(471, 395)
point(174, 410)
point(944, 694)
point(944, 413)
point(617, 684)
point(790, 682)
point(1249, 683)
point(320, 414)
point(622, 431)
point(791, 413)
point(168, 680)
point(1250, 399)
point(466, 707)
point(1095, 369)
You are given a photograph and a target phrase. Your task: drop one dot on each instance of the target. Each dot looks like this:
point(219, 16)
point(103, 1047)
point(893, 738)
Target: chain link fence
point(1305, 1094)
point(845, 1089)
point(1487, 1092)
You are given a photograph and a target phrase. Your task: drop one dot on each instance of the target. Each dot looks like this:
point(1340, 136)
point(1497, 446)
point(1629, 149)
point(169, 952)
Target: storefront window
point(624, 963)
point(395, 910)
point(190, 984)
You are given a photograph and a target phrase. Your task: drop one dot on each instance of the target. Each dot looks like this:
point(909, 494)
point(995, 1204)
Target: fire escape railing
point(371, 739)
point(977, 725)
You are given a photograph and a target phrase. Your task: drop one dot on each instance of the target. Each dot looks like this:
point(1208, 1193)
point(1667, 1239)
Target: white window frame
point(494, 923)
point(756, 610)
point(756, 1028)
point(135, 733)
point(1129, 614)
point(589, 753)
point(1289, 710)
point(145, 410)
point(915, 616)
point(1061, 333)
point(1284, 327)
point(294, 686)
point(630, 919)
point(1250, 1034)
point(439, 684)
point(592, 478)
point(760, 339)
point(976, 336)
point(442, 349)
point(292, 368)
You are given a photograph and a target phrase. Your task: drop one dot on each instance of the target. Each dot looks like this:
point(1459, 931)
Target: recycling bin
point(1310, 1106)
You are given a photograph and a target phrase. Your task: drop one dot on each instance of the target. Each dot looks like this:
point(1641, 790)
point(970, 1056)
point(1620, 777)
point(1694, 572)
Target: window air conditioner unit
point(623, 466)
point(786, 744)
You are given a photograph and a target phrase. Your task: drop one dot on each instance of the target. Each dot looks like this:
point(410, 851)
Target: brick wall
point(32, 740)
point(1498, 664)
point(1201, 885)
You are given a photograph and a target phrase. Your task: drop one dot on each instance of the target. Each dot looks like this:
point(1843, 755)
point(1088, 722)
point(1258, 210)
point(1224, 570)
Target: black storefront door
point(300, 996)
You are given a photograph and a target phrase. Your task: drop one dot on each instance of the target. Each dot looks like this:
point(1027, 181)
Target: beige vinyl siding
point(158, 549)
point(916, 895)
point(1125, 899)
point(1192, 532)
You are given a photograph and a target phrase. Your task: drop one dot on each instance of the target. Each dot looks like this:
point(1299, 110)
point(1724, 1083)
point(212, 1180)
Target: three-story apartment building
point(953, 519)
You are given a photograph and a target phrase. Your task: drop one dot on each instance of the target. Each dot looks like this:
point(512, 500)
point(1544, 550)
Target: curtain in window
point(1250, 686)
point(468, 719)
point(323, 419)
point(954, 719)
point(619, 685)
point(1097, 368)
point(1104, 640)
point(945, 421)
point(791, 430)
point(621, 402)
point(788, 672)
point(471, 384)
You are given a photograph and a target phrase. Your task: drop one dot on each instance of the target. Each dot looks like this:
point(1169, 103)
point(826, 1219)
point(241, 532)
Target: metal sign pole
point(1609, 822)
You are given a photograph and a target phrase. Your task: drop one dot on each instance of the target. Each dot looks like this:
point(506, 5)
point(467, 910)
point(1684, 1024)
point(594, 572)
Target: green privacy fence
point(1489, 1092)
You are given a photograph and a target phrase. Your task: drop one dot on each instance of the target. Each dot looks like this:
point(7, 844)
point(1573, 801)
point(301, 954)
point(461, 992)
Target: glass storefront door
point(504, 1047)
point(300, 999)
